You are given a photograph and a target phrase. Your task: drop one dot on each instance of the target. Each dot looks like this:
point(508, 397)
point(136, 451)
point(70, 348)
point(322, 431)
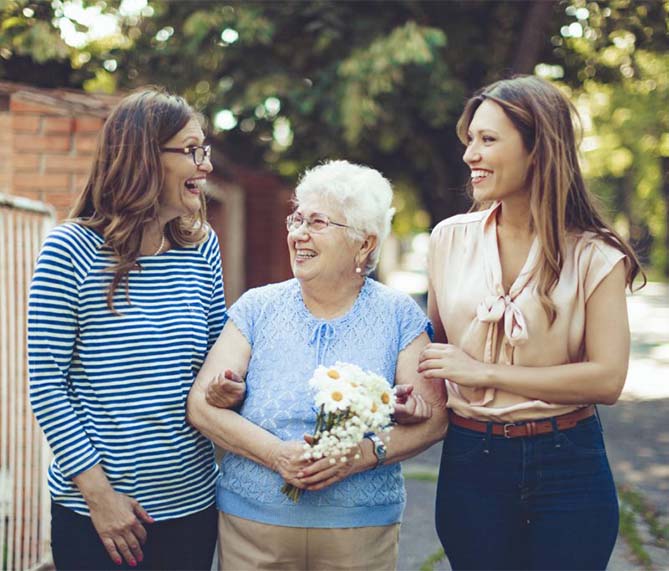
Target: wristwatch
point(378, 447)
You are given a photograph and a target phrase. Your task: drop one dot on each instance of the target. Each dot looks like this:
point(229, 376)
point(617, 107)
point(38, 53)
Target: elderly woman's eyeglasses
point(200, 153)
point(315, 223)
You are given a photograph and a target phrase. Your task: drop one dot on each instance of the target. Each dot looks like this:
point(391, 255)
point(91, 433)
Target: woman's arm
point(405, 440)
point(52, 332)
point(117, 518)
point(52, 329)
point(228, 429)
point(598, 380)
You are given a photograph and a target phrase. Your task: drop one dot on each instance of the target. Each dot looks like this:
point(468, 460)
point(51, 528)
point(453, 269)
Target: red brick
point(62, 213)
point(33, 194)
point(55, 163)
point(85, 144)
point(88, 124)
point(26, 123)
point(60, 199)
point(80, 181)
point(22, 106)
point(31, 181)
point(26, 162)
point(5, 182)
point(58, 124)
point(42, 143)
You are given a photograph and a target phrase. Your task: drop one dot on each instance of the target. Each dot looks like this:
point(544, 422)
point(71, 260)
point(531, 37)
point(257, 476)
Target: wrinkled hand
point(118, 520)
point(410, 408)
point(327, 471)
point(288, 460)
point(226, 390)
point(446, 361)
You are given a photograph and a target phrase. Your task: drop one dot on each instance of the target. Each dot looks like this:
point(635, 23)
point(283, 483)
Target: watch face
point(379, 449)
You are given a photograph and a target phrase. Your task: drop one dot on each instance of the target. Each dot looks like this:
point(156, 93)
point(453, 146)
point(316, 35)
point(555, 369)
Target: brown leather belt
point(526, 428)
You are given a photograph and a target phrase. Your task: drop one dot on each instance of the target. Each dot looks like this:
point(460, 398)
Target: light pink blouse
point(466, 278)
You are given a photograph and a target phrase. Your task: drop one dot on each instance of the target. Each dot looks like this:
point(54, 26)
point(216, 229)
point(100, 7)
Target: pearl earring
point(358, 270)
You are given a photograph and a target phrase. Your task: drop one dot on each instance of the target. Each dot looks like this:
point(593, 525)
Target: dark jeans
point(185, 544)
point(541, 502)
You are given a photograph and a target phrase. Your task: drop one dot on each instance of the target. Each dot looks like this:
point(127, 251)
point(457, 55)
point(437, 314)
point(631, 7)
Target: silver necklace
point(162, 243)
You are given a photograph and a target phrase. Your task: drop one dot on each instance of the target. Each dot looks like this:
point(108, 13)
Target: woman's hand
point(119, 520)
point(410, 408)
point(322, 473)
point(446, 361)
point(226, 390)
point(288, 460)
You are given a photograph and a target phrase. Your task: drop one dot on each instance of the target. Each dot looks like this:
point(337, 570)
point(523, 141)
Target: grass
point(629, 532)
point(648, 514)
point(421, 475)
point(432, 560)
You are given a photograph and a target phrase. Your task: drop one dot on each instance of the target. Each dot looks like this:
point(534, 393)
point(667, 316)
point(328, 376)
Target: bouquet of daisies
point(350, 403)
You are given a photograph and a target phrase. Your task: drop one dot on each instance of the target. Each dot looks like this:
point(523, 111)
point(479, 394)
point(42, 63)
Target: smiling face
point(184, 181)
point(330, 255)
point(496, 155)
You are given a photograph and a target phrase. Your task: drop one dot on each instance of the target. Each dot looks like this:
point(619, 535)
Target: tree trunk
point(443, 191)
point(664, 165)
point(534, 36)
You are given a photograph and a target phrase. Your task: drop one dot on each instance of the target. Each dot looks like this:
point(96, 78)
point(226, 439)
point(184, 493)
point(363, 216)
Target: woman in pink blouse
point(527, 296)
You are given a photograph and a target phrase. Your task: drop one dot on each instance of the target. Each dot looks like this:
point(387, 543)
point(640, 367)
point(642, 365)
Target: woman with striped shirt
point(126, 300)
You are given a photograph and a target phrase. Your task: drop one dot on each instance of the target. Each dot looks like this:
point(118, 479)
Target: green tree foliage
point(31, 48)
point(619, 69)
point(375, 82)
point(288, 83)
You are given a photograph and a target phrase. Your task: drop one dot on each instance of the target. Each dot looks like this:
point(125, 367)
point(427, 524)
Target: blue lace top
point(288, 343)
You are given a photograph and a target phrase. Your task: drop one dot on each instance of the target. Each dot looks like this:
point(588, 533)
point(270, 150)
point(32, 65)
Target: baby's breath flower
point(351, 403)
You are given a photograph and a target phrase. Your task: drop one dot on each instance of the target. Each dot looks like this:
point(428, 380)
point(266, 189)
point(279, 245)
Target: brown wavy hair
point(126, 180)
point(559, 200)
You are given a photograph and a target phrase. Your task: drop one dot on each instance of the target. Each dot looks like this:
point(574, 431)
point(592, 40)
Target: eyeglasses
point(200, 153)
point(315, 223)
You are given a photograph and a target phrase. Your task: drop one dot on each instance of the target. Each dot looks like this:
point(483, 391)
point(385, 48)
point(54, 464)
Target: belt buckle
point(507, 427)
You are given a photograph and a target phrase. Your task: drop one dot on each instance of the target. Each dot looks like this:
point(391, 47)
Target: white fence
point(24, 456)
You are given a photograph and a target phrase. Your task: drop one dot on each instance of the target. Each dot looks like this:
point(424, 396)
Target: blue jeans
point(541, 502)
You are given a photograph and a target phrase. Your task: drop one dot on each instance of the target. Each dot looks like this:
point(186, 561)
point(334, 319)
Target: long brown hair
point(126, 180)
point(559, 199)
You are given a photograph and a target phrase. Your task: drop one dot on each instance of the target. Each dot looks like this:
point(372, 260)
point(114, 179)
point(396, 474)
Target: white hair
point(363, 194)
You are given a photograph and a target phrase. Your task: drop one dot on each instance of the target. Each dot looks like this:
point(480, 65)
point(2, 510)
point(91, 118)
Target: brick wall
point(5, 152)
point(52, 152)
point(47, 139)
point(266, 205)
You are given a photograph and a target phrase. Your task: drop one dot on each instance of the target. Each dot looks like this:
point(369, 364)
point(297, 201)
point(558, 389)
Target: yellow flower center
point(333, 374)
point(374, 407)
point(337, 396)
point(385, 398)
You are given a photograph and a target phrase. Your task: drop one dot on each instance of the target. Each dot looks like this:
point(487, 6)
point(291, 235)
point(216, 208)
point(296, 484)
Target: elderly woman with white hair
point(348, 516)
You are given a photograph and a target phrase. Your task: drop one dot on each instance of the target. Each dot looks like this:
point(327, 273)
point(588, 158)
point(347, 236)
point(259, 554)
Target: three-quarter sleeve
point(52, 330)
point(217, 310)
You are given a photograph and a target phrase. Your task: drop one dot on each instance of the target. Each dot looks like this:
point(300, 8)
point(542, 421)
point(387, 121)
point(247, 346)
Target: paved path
point(637, 436)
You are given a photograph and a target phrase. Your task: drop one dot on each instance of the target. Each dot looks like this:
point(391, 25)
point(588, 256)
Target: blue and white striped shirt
point(112, 389)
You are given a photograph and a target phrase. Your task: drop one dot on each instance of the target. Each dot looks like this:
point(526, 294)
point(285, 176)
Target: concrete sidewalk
point(637, 439)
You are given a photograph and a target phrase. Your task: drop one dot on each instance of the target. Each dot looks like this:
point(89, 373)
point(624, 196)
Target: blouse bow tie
point(494, 307)
point(321, 336)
